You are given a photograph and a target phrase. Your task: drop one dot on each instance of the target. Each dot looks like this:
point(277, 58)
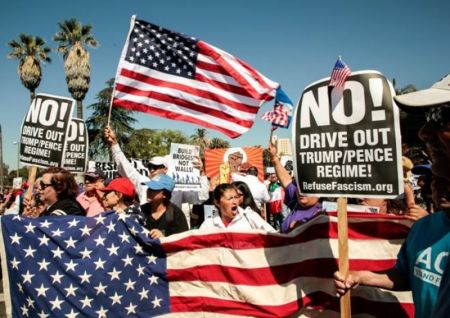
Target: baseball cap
point(95, 173)
point(159, 161)
point(437, 94)
point(122, 185)
point(161, 182)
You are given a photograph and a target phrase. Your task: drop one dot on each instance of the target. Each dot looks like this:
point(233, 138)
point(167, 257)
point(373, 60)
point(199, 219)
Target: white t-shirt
point(245, 220)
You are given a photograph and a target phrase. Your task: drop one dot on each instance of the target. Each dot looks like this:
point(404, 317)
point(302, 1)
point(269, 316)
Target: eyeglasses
point(44, 185)
point(439, 115)
point(90, 180)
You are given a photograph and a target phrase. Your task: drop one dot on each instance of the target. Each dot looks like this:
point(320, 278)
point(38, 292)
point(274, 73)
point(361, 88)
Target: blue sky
point(293, 42)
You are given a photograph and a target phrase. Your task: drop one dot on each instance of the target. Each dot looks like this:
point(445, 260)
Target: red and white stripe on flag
point(224, 94)
point(273, 275)
point(277, 116)
point(339, 74)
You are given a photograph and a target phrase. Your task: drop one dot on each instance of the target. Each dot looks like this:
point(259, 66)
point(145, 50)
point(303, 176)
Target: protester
point(162, 217)
point(424, 183)
point(118, 195)
point(275, 205)
point(231, 216)
point(302, 207)
point(90, 199)
point(249, 175)
point(246, 200)
point(58, 190)
point(424, 255)
point(157, 165)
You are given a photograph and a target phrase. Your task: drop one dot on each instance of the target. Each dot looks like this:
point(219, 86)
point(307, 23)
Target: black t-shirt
point(172, 221)
point(64, 207)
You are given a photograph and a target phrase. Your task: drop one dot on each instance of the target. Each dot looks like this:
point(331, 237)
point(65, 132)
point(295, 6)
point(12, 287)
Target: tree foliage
point(30, 51)
point(71, 37)
point(121, 122)
point(217, 143)
point(147, 143)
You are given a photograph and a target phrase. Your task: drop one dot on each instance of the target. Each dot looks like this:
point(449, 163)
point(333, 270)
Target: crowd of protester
point(247, 203)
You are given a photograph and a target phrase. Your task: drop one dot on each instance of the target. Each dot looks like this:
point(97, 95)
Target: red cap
point(122, 185)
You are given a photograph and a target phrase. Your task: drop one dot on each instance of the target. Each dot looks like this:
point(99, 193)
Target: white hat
point(159, 161)
point(439, 93)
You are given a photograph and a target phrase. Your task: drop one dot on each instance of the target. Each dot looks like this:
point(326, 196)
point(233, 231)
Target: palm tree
point(217, 143)
point(200, 138)
point(121, 122)
point(71, 37)
point(30, 51)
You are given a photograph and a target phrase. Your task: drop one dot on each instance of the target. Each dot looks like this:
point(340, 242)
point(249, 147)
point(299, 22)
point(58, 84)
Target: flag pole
point(124, 52)
point(343, 253)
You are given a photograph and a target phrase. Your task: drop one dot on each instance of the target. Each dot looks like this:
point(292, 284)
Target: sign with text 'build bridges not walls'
point(347, 139)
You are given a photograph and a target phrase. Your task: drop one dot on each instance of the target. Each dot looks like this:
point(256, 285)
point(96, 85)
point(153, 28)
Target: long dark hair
point(248, 197)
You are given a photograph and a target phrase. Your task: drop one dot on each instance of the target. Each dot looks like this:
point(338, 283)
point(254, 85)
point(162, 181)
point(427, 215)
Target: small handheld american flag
point(281, 114)
point(339, 74)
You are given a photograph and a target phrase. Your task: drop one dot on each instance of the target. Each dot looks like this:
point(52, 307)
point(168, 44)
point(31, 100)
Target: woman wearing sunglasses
point(58, 190)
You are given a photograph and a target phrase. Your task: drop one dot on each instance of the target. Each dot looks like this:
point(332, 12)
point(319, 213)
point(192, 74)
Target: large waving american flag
point(171, 75)
point(107, 266)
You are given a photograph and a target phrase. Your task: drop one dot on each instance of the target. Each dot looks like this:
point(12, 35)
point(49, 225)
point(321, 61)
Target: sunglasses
point(44, 185)
point(155, 167)
point(438, 115)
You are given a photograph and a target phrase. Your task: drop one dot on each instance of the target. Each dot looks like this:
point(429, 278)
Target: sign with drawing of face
point(220, 164)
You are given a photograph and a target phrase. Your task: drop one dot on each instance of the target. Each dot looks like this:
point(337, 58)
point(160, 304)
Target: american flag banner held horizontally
point(171, 75)
point(107, 266)
point(281, 114)
point(339, 74)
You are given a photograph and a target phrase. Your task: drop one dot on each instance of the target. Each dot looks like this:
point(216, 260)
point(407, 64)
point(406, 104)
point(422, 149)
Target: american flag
point(339, 74)
point(171, 75)
point(106, 266)
point(281, 114)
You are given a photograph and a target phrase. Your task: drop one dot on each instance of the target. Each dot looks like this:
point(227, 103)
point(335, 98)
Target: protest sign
point(181, 167)
point(222, 163)
point(347, 140)
point(110, 168)
point(77, 145)
point(44, 131)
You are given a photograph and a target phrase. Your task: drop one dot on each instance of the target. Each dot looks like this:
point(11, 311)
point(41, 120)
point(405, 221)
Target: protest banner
point(181, 168)
point(347, 140)
point(110, 168)
point(76, 155)
point(44, 131)
point(221, 163)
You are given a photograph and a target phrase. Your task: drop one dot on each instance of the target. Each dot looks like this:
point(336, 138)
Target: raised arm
point(282, 173)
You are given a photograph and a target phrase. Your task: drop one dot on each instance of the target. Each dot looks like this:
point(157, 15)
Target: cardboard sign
point(110, 168)
point(76, 155)
point(181, 168)
point(44, 131)
point(347, 140)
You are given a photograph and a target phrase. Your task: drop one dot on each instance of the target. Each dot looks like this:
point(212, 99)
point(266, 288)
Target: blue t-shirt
point(298, 213)
point(423, 258)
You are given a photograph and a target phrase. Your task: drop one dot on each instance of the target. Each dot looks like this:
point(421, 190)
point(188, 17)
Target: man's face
point(154, 170)
point(436, 134)
point(235, 159)
point(92, 183)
